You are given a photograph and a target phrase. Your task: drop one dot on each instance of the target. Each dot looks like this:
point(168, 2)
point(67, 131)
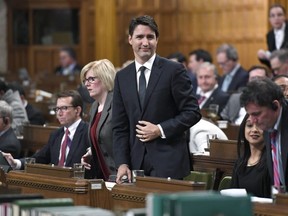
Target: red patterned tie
point(276, 173)
point(201, 99)
point(63, 148)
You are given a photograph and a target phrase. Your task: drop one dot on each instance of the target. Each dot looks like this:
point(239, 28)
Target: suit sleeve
point(188, 112)
point(120, 124)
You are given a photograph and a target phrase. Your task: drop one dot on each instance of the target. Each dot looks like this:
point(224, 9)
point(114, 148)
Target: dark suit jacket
point(76, 70)
point(284, 145)
point(239, 80)
point(232, 108)
point(217, 97)
point(34, 115)
point(49, 154)
point(271, 43)
point(10, 144)
point(169, 101)
point(104, 135)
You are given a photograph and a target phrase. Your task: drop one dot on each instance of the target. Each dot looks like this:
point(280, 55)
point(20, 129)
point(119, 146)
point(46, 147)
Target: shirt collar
point(233, 72)
point(147, 64)
point(209, 93)
point(282, 29)
point(72, 128)
point(277, 124)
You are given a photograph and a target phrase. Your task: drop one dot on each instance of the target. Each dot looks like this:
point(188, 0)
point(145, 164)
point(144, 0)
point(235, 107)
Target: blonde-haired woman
point(98, 77)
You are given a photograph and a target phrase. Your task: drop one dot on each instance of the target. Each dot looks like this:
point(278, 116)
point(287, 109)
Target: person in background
point(178, 57)
point(277, 37)
point(68, 62)
point(67, 144)
point(282, 81)
point(279, 62)
point(209, 92)
point(250, 170)
point(234, 76)
point(35, 116)
point(18, 110)
point(8, 140)
point(98, 77)
point(265, 103)
point(233, 112)
point(195, 59)
point(153, 107)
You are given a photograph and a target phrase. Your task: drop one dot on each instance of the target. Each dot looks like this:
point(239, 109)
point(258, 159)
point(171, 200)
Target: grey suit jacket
point(104, 134)
point(232, 108)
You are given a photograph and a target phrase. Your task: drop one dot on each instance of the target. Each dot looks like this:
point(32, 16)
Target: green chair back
point(206, 177)
point(225, 183)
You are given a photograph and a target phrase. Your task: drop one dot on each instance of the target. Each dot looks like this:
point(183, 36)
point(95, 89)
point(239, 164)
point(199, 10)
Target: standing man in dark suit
point(57, 151)
point(149, 124)
point(235, 76)
point(277, 37)
point(264, 102)
point(209, 92)
point(8, 140)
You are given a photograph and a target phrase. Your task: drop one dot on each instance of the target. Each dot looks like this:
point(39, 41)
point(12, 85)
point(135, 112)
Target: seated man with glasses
point(67, 144)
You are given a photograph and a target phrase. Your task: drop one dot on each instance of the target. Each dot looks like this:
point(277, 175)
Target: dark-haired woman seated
point(250, 170)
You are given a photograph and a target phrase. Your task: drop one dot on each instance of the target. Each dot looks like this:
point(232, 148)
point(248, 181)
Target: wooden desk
point(134, 195)
point(35, 137)
point(83, 192)
point(267, 209)
point(232, 131)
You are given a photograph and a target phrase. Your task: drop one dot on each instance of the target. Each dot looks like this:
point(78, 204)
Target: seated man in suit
point(235, 76)
point(18, 110)
point(209, 92)
point(282, 81)
point(67, 144)
point(279, 62)
point(34, 115)
point(233, 112)
point(8, 140)
point(68, 62)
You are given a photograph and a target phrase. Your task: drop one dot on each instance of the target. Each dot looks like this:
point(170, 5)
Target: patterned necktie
point(201, 99)
point(276, 173)
point(66, 142)
point(142, 85)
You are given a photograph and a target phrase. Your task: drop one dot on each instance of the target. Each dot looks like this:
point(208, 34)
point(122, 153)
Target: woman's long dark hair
point(243, 149)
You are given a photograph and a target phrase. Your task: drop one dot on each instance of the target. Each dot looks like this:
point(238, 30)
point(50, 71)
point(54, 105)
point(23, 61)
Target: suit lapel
point(284, 138)
point(153, 80)
point(105, 112)
point(57, 147)
point(131, 86)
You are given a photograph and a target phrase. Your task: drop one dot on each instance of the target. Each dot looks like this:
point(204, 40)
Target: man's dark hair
point(255, 67)
point(276, 5)
point(231, 52)
point(279, 76)
point(15, 86)
point(262, 92)
point(177, 55)
point(143, 20)
point(71, 52)
point(281, 54)
point(76, 98)
point(3, 86)
point(201, 54)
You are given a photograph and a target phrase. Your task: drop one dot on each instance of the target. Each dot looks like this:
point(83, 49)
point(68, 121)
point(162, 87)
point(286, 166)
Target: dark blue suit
point(49, 154)
point(10, 144)
point(170, 102)
point(239, 80)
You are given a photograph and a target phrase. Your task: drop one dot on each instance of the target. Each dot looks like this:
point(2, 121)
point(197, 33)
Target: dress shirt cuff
point(18, 164)
point(162, 132)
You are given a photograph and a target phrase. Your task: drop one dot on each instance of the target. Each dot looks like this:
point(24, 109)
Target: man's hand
point(123, 170)
point(147, 131)
point(86, 159)
point(10, 159)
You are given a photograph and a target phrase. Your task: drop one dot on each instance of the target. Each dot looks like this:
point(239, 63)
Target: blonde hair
point(103, 69)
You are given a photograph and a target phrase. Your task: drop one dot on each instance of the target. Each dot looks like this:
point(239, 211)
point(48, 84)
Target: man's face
point(206, 79)
point(264, 117)
point(65, 59)
point(279, 68)
point(193, 64)
point(255, 74)
point(224, 63)
point(276, 17)
point(143, 42)
point(67, 114)
point(283, 83)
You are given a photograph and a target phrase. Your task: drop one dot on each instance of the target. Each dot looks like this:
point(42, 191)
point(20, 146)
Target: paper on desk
point(234, 192)
point(110, 185)
point(261, 199)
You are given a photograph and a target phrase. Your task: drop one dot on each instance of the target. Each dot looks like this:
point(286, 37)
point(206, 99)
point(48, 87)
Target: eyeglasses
point(222, 64)
point(89, 79)
point(62, 108)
